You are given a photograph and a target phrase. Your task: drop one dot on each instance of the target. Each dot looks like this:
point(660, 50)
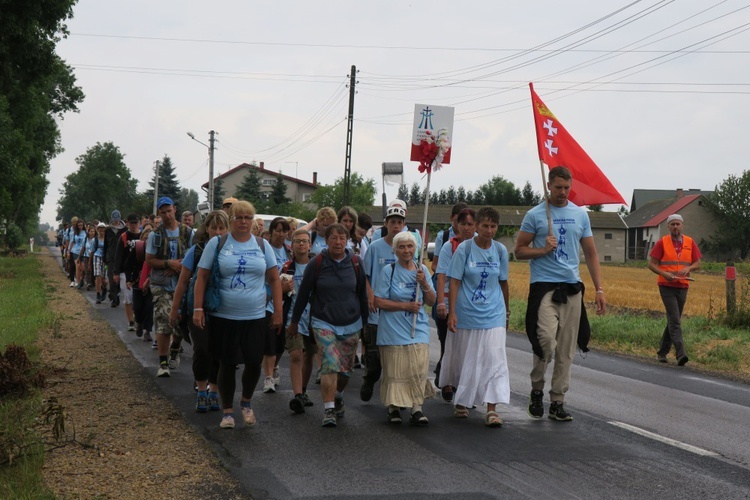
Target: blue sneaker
point(201, 402)
point(213, 401)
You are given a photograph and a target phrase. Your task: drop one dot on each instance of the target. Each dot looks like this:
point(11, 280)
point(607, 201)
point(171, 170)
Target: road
point(641, 430)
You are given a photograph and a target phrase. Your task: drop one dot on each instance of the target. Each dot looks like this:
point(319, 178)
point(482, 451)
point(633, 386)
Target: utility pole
point(157, 168)
point(349, 129)
point(211, 148)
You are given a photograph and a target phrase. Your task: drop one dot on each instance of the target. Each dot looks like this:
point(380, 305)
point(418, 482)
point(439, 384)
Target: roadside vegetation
point(23, 314)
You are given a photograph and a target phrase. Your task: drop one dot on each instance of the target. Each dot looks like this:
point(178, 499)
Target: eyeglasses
point(299, 242)
point(245, 218)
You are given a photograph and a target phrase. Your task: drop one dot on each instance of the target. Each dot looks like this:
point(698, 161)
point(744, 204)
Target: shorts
point(98, 266)
point(162, 308)
point(337, 353)
point(275, 339)
point(301, 342)
point(127, 293)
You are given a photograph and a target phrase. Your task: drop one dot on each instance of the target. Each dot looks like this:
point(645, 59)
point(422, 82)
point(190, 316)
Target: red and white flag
point(558, 148)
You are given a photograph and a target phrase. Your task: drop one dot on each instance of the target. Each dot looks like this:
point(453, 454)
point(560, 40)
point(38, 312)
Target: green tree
point(403, 192)
point(416, 195)
point(361, 193)
point(187, 200)
point(596, 208)
point(168, 184)
point(528, 196)
point(434, 198)
point(278, 201)
point(443, 197)
point(450, 196)
point(623, 211)
point(250, 189)
point(219, 193)
point(102, 183)
point(460, 194)
point(730, 203)
point(36, 88)
point(499, 191)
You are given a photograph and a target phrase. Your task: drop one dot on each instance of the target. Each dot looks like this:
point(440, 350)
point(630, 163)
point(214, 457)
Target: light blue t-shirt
point(281, 258)
point(99, 249)
point(394, 327)
point(480, 303)
point(379, 254)
point(188, 260)
point(444, 264)
point(569, 224)
point(304, 320)
point(242, 271)
point(151, 249)
point(440, 240)
point(377, 235)
point(319, 244)
point(77, 241)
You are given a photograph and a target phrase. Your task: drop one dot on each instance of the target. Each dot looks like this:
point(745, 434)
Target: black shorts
point(275, 338)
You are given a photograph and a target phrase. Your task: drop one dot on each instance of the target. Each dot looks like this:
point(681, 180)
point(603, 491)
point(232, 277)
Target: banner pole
point(423, 246)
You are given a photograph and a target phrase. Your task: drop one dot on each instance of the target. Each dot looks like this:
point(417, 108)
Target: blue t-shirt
point(394, 327)
point(188, 260)
point(172, 236)
point(444, 264)
point(377, 235)
point(242, 272)
point(480, 303)
point(281, 258)
point(379, 254)
point(99, 248)
point(569, 224)
point(440, 240)
point(77, 241)
point(304, 320)
point(319, 244)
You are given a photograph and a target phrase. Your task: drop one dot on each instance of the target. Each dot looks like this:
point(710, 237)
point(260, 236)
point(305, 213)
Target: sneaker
point(447, 393)
point(268, 386)
point(154, 345)
point(248, 415)
point(72, 284)
point(163, 370)
point(297, 404)
point(306, 399)
point(99, 298)
point(131, 327)
point(276, 378)
point(357, 364)
point(147, 336)
point(115, 302)
point(661, 358)
point(329, 419)
point(682, 361)
point(394, 416)
point(340, 410)
point(201, 402)
point(536, 404)
point(174, 360)
point(138, 330)
point(227, 421)
point(365, 392)
point(557, 412)
point(213, 401)
point(417, 418)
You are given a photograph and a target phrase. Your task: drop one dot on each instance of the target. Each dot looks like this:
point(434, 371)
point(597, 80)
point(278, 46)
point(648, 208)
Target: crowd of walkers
point(338, 295)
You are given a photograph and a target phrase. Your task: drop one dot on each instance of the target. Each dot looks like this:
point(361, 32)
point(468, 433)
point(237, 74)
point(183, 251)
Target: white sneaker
point(227, 421)
point(163, 370)
point(72, 284)
point(174, 360)
point(269, 386)
point(276, 378)
point(248, 415)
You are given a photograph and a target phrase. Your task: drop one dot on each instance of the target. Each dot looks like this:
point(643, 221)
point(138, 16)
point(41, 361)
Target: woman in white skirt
point(404, 352)
point(475, 359)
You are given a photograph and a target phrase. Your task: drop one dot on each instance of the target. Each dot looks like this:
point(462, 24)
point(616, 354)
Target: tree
point(403, 192)
point(101, 184)
point(730, 203)
point(278, 200)
point(416, 195)
point(361, 193)
point(461, 194)
point(528, 196)
point(499, 191)
point(36, 88)
point(450, 197)
point(623, 211)
point(250, 189)
point(596, 208)
point(219, 193)
point(434, 198)
point(187, 200)
point(443, 197)
point(168, 185)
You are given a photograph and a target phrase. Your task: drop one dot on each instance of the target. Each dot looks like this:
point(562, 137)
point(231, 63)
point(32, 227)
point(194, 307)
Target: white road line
point(666, 440)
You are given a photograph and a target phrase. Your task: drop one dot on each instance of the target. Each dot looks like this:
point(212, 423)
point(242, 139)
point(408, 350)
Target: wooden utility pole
point(349, 129)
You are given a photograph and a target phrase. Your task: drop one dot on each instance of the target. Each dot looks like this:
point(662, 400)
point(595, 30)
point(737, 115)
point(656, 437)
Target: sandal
point(492, 419)
point(418, 418)
point(394, 417)
point(461, 412)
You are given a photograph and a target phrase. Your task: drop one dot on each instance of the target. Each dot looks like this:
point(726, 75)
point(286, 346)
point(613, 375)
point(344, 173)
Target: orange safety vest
point(670, 262)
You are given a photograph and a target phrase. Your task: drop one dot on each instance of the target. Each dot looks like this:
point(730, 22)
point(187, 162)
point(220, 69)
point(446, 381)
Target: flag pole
point(423, 247)
point(541, 164)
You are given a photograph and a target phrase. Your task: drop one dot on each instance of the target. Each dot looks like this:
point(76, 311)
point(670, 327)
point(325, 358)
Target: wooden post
point(730, 276)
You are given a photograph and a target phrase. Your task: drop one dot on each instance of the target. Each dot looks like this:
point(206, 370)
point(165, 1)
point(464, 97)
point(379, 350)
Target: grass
point(23, 313)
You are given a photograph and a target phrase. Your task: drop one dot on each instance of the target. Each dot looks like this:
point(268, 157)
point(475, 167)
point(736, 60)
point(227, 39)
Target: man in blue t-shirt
point(551, 236)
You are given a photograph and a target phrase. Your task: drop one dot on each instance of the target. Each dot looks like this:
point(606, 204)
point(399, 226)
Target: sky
point(654, 91)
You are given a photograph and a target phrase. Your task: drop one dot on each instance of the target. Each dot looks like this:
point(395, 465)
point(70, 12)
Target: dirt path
point(134, 442)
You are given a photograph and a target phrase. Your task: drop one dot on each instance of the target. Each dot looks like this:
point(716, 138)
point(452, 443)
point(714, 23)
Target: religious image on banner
point(431, 136)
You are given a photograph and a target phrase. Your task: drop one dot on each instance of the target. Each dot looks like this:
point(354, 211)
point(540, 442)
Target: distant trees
point(730, 202)
point(497, 191)
point(361, 193)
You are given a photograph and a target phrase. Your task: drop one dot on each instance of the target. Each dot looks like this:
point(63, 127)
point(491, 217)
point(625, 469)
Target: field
point(635, 289)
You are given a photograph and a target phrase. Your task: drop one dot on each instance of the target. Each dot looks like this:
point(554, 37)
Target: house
point(609, 229)
point(649, 223)
point(643, 196)
point(296, 189)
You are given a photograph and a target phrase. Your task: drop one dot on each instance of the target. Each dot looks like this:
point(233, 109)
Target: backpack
point(183, 241)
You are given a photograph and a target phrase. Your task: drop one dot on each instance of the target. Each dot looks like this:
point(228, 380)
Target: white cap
point(674, 217)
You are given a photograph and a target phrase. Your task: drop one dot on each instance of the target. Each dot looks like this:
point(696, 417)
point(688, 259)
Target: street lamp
point(210, 165)
point(296, 179)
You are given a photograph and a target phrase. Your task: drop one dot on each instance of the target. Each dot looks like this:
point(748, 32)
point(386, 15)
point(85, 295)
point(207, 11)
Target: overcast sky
point(655, 91)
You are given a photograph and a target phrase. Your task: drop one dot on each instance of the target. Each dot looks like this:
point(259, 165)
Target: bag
point(212, 297)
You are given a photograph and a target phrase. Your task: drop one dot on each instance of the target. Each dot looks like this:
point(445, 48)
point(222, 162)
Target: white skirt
point(475, 364)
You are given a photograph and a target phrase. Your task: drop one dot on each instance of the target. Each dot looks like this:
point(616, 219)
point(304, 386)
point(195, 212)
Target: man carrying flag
point(556, 317)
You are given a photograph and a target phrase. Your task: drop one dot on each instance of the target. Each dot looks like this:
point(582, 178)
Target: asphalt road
point(641, 430)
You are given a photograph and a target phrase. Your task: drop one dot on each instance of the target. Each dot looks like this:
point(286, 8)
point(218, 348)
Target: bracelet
point(600, 291)
point(198, 309)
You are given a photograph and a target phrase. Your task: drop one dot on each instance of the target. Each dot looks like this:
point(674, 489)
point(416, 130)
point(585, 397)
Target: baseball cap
point(164, 200)
point(133, 217)
point(397, 208)
point(116, 216)
point(101, 224)
point(230, 200)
